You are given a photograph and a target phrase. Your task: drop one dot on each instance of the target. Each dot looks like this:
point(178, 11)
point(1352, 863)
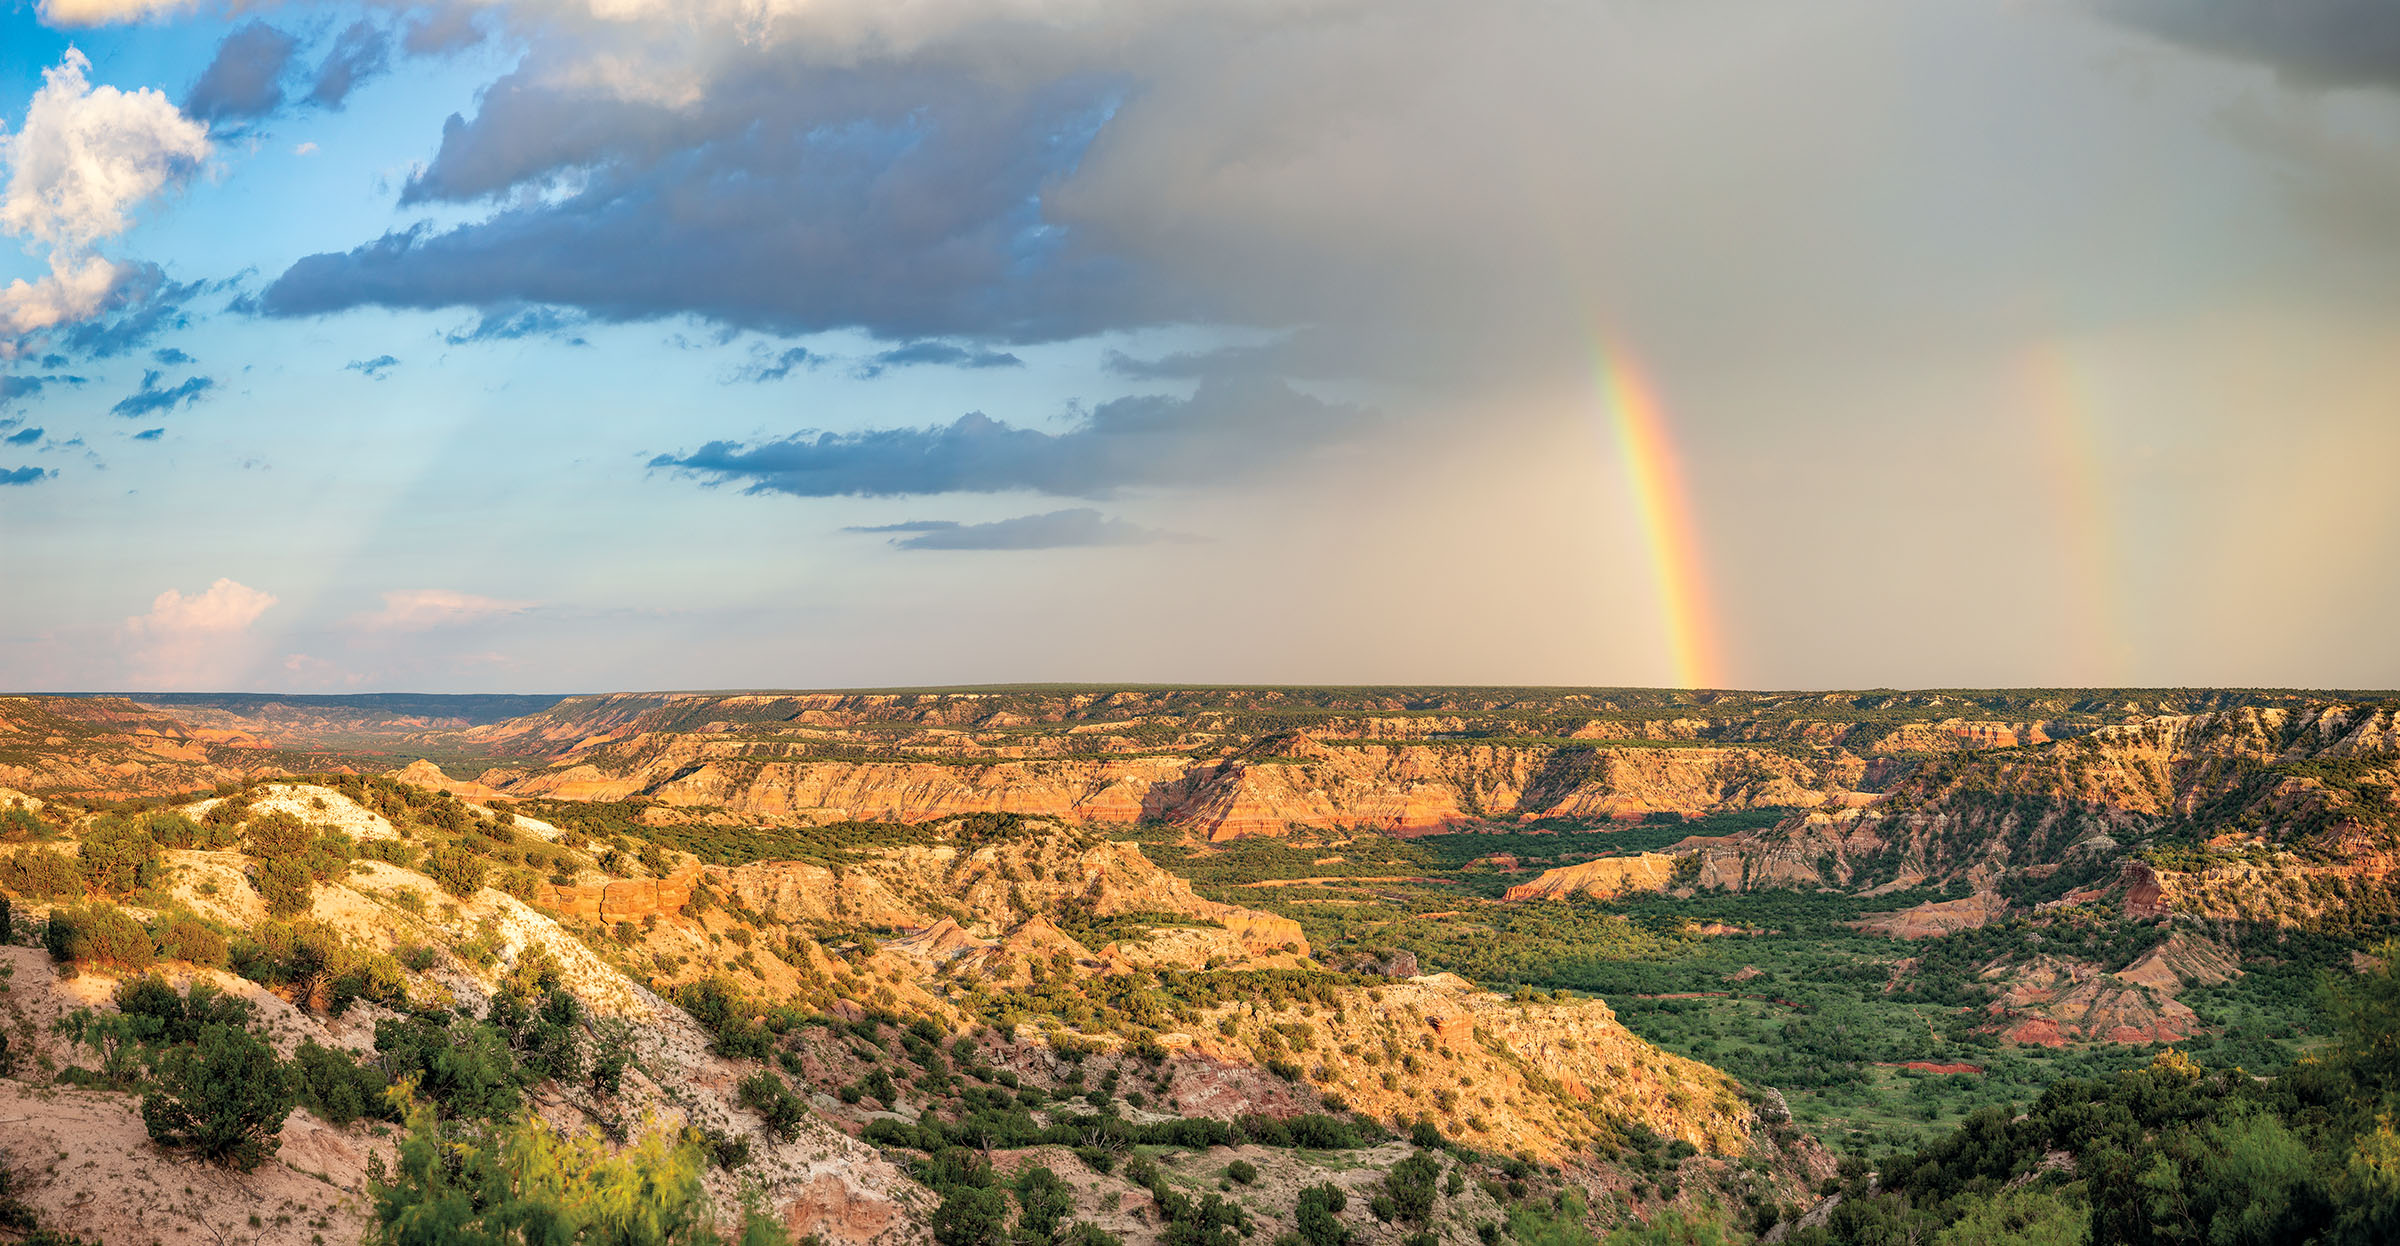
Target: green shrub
point(1409, 1186)
point(395, 851)
point(223, 1098)
point(727, 1015)
point(766, 1093)
point(229, 812)
point(971, 1216)
point(726, 1151)
point(1241, 1172)
point(322, 851)
point(464, 1068)
point(542, 1022)
point(18, 825)
point(159, 1015)
point(276, 835)
point(118, 857)
point(1043, 1204)
point(335, 1085)
point(1318, 1213)
point(1674, 1226)
point(173, 830)
point(527, 1182)
point(41, 874)
point(99, 936)
point(318, 967)
point(285, 887)
point(612, 1051)
point(372, 976)
point(458, 871)
point(483, 947)
point(293, 858)
point(183, 937)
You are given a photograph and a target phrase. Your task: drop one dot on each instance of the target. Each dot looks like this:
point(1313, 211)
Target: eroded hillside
point(1641, 947)
point(825, 1025)
point(112, 747)
point(2310, 792)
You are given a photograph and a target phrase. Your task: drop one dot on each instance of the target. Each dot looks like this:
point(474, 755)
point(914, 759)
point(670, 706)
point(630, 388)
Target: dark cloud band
point(1081, 527)
point(1227, 429)
point(2329, 42)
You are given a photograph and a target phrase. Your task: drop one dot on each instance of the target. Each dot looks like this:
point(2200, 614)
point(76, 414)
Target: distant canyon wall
point(1299, 784)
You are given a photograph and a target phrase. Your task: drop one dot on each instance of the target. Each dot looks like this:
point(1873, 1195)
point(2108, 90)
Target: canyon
point(1659, 946)
point(1220, 763)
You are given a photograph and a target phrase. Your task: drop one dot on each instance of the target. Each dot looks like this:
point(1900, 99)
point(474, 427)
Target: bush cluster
point(314, 963)
point(98, 935)
point(213, 1088)
point(41, 874)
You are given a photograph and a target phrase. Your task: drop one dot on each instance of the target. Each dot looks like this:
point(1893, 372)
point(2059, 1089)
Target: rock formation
point(1936, 918)
point(1601, 879)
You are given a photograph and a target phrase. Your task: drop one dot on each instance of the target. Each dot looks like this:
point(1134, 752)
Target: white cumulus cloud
point(85, 157)
point(416, 609)
point(226, 606)
point(196, 641)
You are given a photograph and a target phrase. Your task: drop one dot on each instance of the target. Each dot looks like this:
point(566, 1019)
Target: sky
point(577, 345)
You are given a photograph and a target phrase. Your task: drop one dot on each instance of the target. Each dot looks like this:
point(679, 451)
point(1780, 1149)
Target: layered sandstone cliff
point(2316, 790)
point(992, 890)
point(1289, 783)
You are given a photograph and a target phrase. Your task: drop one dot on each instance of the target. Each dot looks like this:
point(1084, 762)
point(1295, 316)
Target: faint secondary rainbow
point(1655, 479)
point(2064, 404)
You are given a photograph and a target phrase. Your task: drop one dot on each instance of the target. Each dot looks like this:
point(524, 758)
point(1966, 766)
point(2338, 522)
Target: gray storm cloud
point(245, 78)
point(1427, 193)
point(2327, 42)
point(789, 198)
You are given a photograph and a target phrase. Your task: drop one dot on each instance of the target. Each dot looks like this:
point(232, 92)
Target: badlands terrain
point(1320, 966)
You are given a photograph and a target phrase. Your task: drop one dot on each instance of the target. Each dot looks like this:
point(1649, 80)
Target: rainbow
point(1655, 482)
point(2064, 406)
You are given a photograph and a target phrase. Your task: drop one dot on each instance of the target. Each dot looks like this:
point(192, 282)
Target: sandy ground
point(87, 1167)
